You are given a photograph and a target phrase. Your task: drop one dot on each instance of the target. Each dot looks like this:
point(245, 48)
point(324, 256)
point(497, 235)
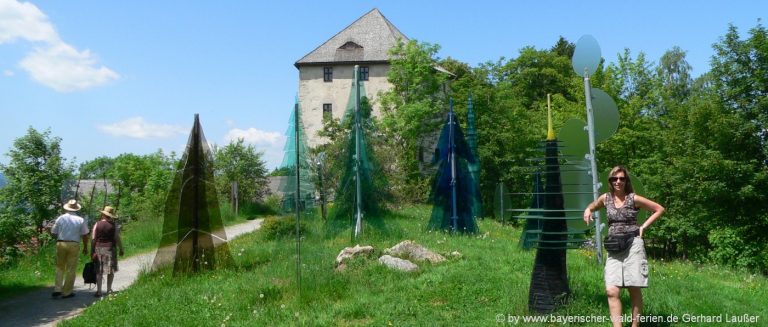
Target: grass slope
point(39, 270)
point(490, 279)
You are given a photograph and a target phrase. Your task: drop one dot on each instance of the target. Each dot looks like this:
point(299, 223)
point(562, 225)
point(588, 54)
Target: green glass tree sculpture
point(288, 183)
point(454, 189)
point(193, 233)
point(474, 168)
point(360, 190)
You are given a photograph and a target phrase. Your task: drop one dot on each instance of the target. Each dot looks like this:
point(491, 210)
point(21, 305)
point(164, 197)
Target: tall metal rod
point(452, 151)
point(501, 201)
point(320, 171)
point(77, 187)
point(297, 198)
point(593, 162)
point(359, 190)
point(88, 209)
point(196, 151)
point(104, 176)
point(119, 192)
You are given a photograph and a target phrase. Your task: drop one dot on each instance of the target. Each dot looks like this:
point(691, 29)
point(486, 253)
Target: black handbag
point(90, 270)
point(618, 243)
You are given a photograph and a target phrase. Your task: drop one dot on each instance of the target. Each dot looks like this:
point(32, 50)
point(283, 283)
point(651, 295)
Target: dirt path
point(39, 309)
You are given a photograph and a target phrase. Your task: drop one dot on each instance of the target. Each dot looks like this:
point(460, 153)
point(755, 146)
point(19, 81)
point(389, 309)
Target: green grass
point(38, 270)
point(491, 278)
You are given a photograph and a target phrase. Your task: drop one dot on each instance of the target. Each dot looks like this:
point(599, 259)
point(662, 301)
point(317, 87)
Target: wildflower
point(261, 296)
point(282, 306)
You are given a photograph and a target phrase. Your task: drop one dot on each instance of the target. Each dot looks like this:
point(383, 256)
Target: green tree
point(138, 183)
point(411, 113)
point(740, 76)
point(510, 109)
point(35, 174)
point(241, 163)
point(698, 157)
point(96, 168)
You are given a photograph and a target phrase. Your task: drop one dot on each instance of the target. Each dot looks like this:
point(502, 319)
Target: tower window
point(327, 74)
point(327, 111)
point(364, 73)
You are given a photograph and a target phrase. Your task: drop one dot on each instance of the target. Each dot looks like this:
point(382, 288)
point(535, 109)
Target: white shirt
point(69, 227)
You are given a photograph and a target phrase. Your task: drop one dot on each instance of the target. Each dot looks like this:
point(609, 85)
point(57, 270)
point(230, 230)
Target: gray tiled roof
point(372, 35)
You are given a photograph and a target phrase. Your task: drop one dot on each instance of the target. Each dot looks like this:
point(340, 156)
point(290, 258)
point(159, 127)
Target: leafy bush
point(269, 206)
point(279, 227)
point(730, 247)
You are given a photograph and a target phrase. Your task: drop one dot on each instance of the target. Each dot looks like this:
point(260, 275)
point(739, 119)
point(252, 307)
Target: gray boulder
point(348, 253)
point(398, 264)
point(412, 250)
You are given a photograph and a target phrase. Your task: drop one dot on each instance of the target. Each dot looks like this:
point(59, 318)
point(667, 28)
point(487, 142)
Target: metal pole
point(106, 192)
point(359, 190)
point(89, 209)
point(77, 187)
point(196, 172)
point(501, 201)
point(296, 199)
point(320, 171)
point(452, 149)
point(593, 162)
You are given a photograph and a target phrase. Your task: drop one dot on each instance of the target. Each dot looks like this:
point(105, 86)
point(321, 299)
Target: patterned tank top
point(621, 220)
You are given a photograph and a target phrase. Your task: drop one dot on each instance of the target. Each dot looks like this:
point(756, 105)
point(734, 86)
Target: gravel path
point(39, 309)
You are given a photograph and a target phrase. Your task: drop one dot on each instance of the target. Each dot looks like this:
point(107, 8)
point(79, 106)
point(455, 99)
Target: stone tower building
point(325, 74)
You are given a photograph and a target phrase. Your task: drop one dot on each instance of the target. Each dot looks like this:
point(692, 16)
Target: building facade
point(326, 73)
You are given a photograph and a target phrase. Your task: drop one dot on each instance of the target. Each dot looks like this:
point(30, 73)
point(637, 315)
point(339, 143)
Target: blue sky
point(110, 77)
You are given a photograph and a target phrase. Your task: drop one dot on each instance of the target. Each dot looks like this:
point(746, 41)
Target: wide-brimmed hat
point(109, 211)
point(72, 205)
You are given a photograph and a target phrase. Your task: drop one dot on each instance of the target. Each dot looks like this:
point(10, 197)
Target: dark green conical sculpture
point(454, 188)
point(359, 193)
point(547, 227)
point(549, 281)
point(193, 236)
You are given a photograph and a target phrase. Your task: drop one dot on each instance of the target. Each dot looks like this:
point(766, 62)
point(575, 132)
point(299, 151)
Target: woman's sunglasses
point(613, 179)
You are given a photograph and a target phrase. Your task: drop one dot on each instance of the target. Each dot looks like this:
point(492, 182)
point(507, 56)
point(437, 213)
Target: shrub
point(279, 227)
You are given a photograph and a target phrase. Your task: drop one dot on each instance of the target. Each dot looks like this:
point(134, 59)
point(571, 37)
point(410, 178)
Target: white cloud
point(64, 69)
point(253, 136)
point(53, 63)
point(24, 21)
point(271, 143)
point(8, 73)
point(137, 127)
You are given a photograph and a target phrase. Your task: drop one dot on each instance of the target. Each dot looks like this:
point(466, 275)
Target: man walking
point(69, 229)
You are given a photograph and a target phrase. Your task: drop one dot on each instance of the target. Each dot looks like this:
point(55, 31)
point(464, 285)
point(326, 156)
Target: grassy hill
point(37, 270)
point(490, 281)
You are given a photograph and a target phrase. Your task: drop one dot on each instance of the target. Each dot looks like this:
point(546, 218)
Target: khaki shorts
point(628, 268)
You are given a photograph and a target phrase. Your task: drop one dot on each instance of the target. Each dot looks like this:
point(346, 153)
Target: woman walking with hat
point(106, 238)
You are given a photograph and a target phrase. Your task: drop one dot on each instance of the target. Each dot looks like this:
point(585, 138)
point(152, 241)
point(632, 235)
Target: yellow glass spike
point(550, 130)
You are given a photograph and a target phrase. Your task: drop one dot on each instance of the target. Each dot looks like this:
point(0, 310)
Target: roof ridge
point(392, 28)
point(389, 34)
point(339, 32)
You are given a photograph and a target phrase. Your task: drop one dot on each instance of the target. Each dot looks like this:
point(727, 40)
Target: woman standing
point(106, 238)
point(627, 268)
